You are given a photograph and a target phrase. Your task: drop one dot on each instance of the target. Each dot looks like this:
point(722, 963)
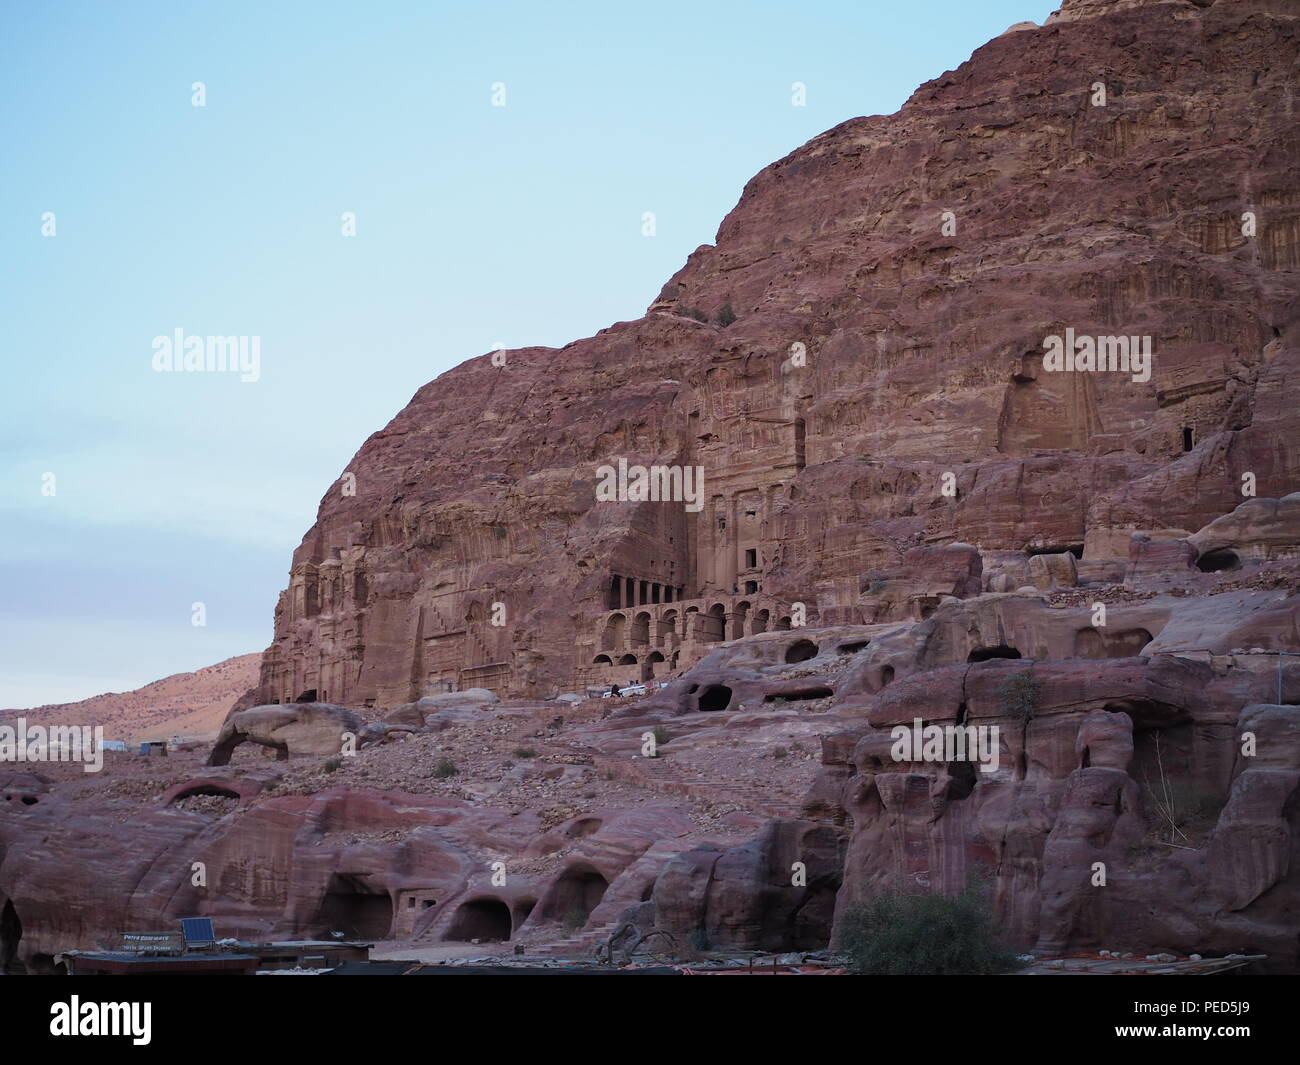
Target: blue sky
point(475, 225)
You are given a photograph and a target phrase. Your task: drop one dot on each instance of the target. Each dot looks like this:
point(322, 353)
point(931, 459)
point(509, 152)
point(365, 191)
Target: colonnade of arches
point(636, 636)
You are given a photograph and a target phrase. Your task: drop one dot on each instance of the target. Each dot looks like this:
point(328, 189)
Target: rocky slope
point(891, 461)
point(184, 704)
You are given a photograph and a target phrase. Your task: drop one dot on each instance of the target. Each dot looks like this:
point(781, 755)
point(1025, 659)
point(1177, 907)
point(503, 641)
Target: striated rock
point(908, 520)
point(1251, 850)
point(1148, 557)
point(882, 388)
point(1257, 530)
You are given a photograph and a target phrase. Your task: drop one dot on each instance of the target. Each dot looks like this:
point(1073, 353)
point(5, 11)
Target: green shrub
point(525, 752)
point(662, 735)
point(445, 768)
point(726, 316)
point(573, 922)
point(780, 752)
point(911, 935)
point(331, 764)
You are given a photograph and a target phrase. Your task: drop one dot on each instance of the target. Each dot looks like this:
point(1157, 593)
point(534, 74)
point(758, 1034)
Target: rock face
point(367, 863)
point(1033, 619)
point(883, 386)
point(1130, 798)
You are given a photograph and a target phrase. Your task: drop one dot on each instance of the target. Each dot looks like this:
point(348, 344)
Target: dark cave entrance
point(574, 895)
point(801, 651)
point(487, 920)
point(983, 654)
point(715, 697)
point(809, 927)
point(11, 933)
point(1218, 561)
point(801, 694)
point(354, 908)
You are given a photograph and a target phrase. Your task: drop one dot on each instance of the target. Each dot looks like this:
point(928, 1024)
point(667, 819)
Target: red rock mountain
point(892, 283)
point(184, 704)
point(909, 513)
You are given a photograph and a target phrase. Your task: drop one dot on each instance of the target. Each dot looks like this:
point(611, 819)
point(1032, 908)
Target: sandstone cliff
point(908, 515)
point(892, 282)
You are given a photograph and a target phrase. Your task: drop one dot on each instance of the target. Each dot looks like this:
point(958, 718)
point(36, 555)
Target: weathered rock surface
point(291, 731)
point(881, 389)
point(908, 520)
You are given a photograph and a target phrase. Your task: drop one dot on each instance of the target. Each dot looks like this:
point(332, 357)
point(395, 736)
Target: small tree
point(726, 316)
point(1019, 700)
point(914, 935)
point(1020, 696)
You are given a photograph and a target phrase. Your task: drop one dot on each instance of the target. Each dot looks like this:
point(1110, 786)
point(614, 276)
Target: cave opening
point(800, 694)
point(715, 697)
point(487, 920)
point(961, 779)
point(800, 651)
point(1089, 643)
point(983, 654)
point(356, 909)
point(574, 895)
point(1218, 561)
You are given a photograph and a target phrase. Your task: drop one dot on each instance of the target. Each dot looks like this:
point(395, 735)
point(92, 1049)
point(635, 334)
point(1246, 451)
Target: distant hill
point(184, 704)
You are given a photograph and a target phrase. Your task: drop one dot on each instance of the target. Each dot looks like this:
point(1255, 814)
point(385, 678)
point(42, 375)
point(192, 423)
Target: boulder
point(292, 730)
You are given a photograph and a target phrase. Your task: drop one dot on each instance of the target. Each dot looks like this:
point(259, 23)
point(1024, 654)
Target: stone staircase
point(579, 945)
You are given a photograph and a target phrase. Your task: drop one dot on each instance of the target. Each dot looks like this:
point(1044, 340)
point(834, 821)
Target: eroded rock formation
point(882, 387)
point(908, 517)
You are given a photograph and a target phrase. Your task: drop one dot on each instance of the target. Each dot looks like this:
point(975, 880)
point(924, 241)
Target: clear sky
point(475, 225)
